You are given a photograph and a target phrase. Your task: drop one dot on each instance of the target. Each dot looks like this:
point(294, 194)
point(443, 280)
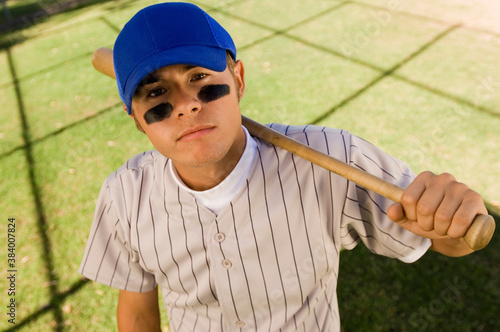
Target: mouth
point(195, 133)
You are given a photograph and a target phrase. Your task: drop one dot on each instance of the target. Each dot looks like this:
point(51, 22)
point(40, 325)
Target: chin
point(204, 157)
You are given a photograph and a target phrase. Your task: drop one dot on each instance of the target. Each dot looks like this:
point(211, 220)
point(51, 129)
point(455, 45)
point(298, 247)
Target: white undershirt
point(218, 197)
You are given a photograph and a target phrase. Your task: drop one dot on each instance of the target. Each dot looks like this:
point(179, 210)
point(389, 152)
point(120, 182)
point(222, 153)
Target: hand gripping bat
point(477, 237)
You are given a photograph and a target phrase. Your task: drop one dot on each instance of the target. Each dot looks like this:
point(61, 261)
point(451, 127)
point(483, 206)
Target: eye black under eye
point(158, 113)
point(210, 93)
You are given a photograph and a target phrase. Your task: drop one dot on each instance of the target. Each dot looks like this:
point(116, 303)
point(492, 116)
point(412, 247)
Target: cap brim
point(200, 56)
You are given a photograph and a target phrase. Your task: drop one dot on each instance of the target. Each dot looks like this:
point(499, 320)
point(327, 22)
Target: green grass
point(409, 80)
point(288, 72)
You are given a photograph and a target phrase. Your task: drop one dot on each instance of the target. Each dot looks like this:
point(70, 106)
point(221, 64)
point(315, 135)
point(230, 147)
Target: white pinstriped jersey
point(269, 261)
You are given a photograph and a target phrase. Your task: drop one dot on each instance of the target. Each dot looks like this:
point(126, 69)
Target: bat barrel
point(102, 60)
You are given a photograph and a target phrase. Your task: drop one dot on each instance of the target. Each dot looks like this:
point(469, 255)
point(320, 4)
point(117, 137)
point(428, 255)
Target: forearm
point(138, 312)
point(133, 322)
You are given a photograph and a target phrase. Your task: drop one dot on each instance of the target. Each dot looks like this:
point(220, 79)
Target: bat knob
point(480, 232)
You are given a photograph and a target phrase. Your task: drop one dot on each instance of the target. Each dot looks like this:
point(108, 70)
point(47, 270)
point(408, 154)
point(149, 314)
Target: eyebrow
point(149, 79)
point(186, 68)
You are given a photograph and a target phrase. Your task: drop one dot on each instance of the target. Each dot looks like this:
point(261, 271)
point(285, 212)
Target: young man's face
point(191, 114)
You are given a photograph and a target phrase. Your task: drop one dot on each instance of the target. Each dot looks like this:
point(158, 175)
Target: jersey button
point(227, 263)
point(240, 323)
point(220, 237)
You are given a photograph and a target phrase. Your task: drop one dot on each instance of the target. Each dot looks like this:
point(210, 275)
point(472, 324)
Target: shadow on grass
point(30, 14)
point(11, 32)
point(18, 10)
point(54, 304)
point(51, 276)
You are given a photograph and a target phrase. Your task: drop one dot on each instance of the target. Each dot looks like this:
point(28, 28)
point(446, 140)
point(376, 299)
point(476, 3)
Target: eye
point(156, 92)
point(198, 76)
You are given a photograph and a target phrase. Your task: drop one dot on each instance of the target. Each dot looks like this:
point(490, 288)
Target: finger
point(465, 214)
point(421, 200)
point(454, 195)
point(427, 206)
point(396, 213)
point(410, 198)
point(445, 213)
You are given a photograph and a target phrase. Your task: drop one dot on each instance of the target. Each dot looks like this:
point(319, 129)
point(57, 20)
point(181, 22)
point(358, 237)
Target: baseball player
point(238, 234)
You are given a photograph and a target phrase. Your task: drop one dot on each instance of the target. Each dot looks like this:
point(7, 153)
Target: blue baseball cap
point(167, 34)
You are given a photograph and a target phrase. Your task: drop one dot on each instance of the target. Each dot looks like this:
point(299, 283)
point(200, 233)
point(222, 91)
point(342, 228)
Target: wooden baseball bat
point(477, 237)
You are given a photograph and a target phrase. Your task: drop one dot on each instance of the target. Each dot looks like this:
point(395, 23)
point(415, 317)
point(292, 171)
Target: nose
point(184, 102)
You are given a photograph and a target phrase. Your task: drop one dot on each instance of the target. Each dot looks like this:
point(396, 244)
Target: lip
point(195, 132)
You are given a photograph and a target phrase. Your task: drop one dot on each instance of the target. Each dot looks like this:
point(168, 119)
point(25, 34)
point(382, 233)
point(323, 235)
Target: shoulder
point(327, 140)
point(133, 170)
point(291, 130)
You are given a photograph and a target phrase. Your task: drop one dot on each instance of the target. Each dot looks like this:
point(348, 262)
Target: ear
point(126, 111)
point(239, 75)
point(137, 124)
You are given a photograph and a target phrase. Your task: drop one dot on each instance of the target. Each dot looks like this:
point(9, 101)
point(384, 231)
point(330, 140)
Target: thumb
point(396, 213)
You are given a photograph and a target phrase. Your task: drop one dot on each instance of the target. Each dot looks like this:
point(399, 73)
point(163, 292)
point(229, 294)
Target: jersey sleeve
point(109, 258)
point(364, 215)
